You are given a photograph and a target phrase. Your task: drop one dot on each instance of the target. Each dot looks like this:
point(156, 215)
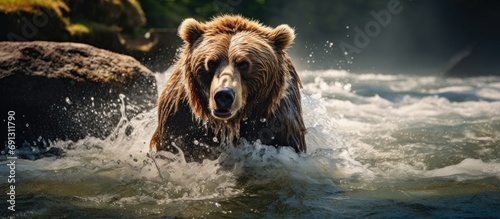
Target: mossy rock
point(96, 22)
point(125, 14)
point(30, 20)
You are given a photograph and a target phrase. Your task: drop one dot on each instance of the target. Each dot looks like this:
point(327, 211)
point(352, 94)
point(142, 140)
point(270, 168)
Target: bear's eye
point(242, 66)
point(212, 65)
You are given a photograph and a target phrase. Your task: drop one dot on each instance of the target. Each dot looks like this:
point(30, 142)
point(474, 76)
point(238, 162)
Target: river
point(379, 146)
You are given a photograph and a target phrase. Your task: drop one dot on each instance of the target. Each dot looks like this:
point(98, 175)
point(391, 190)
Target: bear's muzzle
point(224, 98)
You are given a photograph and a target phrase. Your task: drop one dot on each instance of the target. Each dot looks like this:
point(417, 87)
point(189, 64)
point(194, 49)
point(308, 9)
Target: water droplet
point(27, 125)
point(345, 53)
point(346, 27)
point(68, 101)
point(196, 142)
point(262, 119)
point(347, 87)
point(215, 139)
point(245, 118)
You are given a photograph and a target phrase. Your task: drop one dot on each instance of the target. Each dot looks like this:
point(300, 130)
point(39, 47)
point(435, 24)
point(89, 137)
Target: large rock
point(66, 91)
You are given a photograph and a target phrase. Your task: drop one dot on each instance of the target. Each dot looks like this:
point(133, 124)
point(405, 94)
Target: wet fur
point(270, 91)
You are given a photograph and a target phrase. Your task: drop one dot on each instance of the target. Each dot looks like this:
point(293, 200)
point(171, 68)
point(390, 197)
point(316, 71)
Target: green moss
point(78, 29)
point(33, 6)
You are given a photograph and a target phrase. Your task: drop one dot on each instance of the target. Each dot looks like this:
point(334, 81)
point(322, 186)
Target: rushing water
point(379, 146)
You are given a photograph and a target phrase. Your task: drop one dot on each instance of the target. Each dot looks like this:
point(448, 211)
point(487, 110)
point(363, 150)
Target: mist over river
point(379, 145)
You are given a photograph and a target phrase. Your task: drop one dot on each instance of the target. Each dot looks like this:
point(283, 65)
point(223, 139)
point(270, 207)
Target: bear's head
point(234, 67)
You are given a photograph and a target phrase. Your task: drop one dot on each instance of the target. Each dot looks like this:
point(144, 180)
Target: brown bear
point(232, 80)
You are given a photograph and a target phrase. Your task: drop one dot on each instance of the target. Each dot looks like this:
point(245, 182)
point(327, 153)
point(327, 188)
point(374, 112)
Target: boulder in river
point(67, 91)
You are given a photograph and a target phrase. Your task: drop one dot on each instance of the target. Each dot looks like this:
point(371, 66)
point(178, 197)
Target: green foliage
point(33, 6)
point(169, 13)
point(312, 17)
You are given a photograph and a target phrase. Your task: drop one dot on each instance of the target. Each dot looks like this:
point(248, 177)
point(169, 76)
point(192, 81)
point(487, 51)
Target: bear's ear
point(190, 30)
point(282, 36)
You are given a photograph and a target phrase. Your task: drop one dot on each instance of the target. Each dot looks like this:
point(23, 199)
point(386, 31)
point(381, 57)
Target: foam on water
point(466, 170)
point(414, 127)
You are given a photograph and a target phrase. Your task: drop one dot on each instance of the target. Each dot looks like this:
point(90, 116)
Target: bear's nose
point(224, 97)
